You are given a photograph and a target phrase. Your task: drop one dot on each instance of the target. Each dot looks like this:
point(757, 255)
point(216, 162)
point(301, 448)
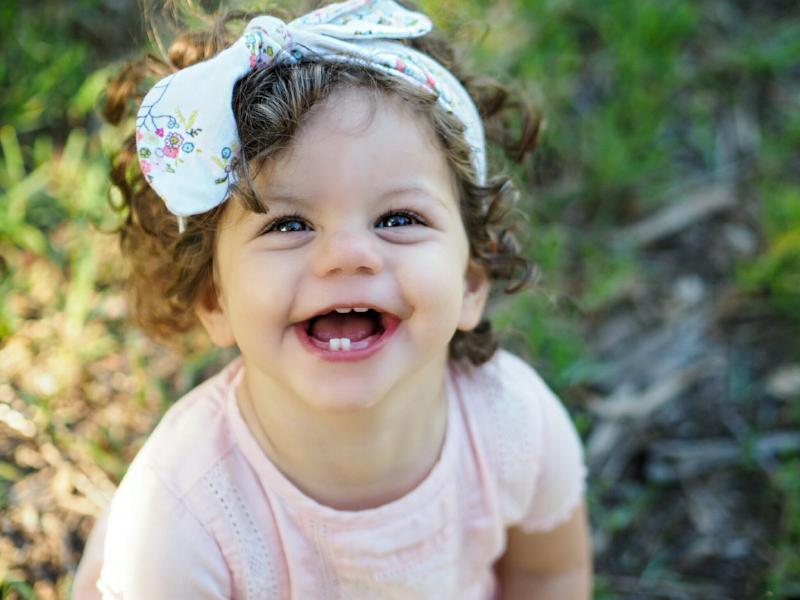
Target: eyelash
point(273, 225)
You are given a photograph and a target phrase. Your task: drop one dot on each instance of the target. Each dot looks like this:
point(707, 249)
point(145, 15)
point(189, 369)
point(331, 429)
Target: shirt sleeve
point(155, 547)
point(560, 478)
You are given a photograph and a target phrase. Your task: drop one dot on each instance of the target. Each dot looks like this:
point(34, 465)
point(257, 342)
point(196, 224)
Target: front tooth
point(343, 310)
point(345, 343)
point(361, 309)
point(335, 343)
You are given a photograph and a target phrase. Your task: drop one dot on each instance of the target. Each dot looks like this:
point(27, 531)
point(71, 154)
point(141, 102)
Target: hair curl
point(171, 272)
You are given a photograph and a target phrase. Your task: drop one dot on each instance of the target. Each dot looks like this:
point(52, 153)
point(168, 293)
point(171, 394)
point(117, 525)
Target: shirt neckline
point(273, 481)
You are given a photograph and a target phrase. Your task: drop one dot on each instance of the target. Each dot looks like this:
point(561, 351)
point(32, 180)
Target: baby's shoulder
point(191, 439)
point(188, 505)
point(509, 388)
point(507, 406)
point(157, 530)
point(503, 399)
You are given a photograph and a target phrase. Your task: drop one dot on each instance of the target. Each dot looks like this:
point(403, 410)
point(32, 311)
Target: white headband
point(186, 132)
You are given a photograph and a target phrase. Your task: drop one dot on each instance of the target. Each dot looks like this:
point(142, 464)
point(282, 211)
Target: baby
point(317, 194)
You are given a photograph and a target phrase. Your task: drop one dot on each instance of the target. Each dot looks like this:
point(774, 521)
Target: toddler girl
point(316, 194)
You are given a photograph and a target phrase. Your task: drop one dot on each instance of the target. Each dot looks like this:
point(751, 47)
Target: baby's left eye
point(398, 219)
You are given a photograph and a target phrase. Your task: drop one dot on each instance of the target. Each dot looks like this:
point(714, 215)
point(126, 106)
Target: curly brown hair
point(171, 271)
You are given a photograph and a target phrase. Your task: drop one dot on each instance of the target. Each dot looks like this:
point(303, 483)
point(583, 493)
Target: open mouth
point(347, 330)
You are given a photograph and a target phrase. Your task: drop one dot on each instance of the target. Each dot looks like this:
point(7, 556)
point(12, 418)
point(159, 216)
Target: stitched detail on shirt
point(260, 579)
point(330, 581)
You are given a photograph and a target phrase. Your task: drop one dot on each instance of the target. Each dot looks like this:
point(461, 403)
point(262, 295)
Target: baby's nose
point(348, 253)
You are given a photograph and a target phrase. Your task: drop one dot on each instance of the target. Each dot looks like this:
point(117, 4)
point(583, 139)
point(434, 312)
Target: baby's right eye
point(287, 224)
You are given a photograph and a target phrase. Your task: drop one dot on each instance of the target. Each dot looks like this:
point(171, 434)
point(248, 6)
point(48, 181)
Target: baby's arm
point(551, 564)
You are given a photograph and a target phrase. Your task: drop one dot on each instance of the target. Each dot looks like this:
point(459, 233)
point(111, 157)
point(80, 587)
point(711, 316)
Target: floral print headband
point(186, 134)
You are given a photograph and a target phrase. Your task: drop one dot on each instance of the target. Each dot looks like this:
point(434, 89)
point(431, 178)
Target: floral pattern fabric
point(186, 133)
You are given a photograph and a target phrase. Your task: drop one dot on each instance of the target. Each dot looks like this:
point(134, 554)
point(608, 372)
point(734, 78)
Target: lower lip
point(347, 355)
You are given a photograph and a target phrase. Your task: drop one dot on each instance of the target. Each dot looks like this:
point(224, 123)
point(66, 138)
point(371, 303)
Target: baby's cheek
point(263, 294)
point(434, 282)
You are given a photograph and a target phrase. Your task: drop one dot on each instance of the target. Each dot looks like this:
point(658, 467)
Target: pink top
point(203, 513)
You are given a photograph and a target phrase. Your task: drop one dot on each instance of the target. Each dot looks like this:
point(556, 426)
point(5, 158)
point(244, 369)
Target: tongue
point(350, 325)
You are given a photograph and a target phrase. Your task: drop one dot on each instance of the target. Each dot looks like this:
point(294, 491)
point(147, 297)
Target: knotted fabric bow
point(186, 132)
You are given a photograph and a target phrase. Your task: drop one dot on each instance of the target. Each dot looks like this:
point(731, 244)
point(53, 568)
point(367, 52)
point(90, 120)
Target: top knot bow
point(186, 133)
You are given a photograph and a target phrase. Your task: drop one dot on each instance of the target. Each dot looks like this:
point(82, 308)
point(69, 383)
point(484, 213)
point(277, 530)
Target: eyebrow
point(286, 198)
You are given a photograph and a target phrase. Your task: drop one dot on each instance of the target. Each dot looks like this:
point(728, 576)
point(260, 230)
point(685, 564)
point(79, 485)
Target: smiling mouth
point(346, 333)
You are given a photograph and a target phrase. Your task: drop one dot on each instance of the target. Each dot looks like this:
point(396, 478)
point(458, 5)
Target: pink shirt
point(203, 513)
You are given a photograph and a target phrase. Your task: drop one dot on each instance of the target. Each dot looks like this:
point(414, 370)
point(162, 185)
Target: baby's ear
point(476, 291)
point(214, 318)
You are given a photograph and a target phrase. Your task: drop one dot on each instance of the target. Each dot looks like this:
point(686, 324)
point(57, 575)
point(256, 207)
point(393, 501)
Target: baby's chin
point(343, 395)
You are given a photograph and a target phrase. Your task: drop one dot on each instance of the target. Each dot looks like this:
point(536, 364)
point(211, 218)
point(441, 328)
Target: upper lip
point(332, 307)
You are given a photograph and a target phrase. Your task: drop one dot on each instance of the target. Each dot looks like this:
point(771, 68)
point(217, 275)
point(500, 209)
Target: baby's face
point(363, 214)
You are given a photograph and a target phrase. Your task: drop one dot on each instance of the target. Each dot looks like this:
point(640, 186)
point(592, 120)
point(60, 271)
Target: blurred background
point(664, 214)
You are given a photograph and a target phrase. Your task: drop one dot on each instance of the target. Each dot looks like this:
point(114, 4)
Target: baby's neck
point(351, 461)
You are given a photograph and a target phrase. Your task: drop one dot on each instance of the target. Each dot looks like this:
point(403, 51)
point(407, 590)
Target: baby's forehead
point(355, 136)
point(351, 111)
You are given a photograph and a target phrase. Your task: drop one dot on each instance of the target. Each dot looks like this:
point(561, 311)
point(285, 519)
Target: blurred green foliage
point(44, 64)
point(53, 172)
point(634, 95)
point(776, 272)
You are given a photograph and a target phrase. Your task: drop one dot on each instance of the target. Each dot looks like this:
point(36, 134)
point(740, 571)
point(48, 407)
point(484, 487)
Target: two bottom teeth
point(339, 343)
point(346, 344)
